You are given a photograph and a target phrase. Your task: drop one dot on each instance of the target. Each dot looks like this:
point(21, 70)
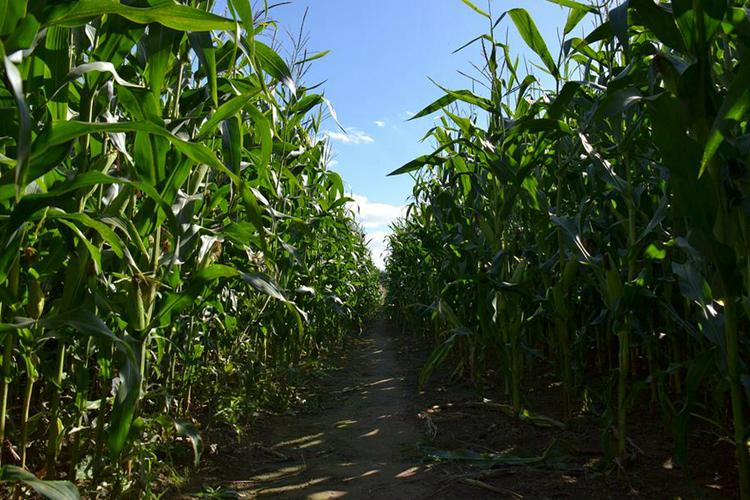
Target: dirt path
point(358, 436)
point(362, 443)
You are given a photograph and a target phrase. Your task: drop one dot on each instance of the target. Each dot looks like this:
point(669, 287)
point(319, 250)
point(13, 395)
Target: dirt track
point(359, 436)
point(362, 443)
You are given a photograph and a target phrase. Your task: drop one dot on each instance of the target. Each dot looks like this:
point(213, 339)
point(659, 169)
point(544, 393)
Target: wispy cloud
point(352, 136)
point(380, 123)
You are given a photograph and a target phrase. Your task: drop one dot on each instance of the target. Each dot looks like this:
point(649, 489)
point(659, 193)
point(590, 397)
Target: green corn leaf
point(575, 16)
point(698, 22)
point(574, 5)
point(602, 32)
point(618, 21)
point(540, 125)
point(231, 139)
point(264, 284)
point(123, 411)
point(90, 325)
point(245, 12)
point(29, 206)
point(240, 232)
point(561, 103)
point(308, 102)
point(13, 12)
point(653, 252)
point(274, 65)
point(263, 134)
point(180, 173)
point(733, 109)
point(217, 271)
point(204, 47)
point(476, 9)
point(187, 429)
point(530, 34)
point(418, 163)
point(63, 132)
point(23, 142)
point(229, 108)
point(452, 96)
point(170, 14)
point(159, 49)
point(106, 232)
point(260, 281)
point(24, 35)
point(660, 22)
point(93, 250)
point(53, 490)
point(439, 104)
point(313, 57)
point(577, 12)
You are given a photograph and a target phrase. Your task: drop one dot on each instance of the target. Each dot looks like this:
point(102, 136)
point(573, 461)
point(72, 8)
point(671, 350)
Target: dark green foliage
point(599, 227)
point(173, 250)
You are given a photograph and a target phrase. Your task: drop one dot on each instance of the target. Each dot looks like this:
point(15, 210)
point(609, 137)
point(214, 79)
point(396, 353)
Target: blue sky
point(382, 53)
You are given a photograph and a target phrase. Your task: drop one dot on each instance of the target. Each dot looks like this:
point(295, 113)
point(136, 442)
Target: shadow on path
point(363, 445)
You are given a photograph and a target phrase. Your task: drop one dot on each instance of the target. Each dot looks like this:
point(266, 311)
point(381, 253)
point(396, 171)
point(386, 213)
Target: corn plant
point(168, 231)
point(594, 213)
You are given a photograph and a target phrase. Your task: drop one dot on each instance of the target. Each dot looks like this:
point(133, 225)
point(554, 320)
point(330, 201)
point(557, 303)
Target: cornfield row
point(172, 246)
point(594, 216)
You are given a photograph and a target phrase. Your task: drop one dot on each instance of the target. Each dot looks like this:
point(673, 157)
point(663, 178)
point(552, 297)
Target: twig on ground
point(489, 487)
point(280, 456)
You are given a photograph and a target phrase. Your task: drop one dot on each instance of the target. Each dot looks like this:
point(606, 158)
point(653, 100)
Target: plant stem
point(25, 418)
point(7, 360)
point(53, 444)
point(735, 388)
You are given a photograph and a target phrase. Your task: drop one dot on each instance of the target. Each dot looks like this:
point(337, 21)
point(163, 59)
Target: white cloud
point(380, 123)
point(333, 163)
point(373, 215)
point(352, 136)
point(375, 218)
point(377, 241)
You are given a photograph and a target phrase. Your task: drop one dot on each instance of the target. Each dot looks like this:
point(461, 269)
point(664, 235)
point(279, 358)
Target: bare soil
point(368, 431)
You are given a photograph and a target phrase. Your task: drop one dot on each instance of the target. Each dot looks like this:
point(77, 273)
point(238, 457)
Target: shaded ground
point(357, 437)
point(367, 431)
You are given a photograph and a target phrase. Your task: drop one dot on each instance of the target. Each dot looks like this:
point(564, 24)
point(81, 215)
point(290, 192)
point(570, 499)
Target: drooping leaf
point(733, 109)
point(187, 429)
point(53, 490)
